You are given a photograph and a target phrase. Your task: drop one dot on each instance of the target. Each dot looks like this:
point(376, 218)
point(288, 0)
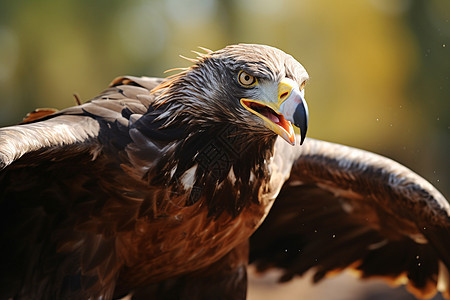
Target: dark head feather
point(212, 82)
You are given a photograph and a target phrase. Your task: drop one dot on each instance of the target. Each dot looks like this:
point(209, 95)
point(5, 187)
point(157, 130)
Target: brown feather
point(37, 114)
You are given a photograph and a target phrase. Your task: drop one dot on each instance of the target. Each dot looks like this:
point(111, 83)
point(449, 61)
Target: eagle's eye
point(246, 79)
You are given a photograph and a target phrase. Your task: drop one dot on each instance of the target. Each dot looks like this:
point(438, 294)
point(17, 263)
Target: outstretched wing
point(343, 207)
point(57, 172)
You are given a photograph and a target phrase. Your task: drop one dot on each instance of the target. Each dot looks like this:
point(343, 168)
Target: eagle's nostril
point(284, 96)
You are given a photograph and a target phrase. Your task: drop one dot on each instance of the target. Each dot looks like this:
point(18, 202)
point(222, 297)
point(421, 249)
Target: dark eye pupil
point(246, 79)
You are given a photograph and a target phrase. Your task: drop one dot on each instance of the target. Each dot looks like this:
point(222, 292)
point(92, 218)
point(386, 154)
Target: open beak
point(289, 110)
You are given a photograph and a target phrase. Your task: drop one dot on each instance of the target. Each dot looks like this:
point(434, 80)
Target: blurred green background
point(379, 68)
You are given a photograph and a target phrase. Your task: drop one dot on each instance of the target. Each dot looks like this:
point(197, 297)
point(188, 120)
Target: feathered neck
point(201, 129)
point(220, 155)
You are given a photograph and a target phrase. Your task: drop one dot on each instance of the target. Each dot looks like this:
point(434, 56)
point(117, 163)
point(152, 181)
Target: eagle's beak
point(290, 108)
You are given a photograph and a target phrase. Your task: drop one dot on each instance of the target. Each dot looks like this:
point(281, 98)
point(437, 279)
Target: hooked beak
point(289, 109)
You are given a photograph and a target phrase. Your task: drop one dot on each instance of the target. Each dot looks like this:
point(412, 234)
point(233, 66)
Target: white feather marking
point(337, 192)
point(347, 207)
point(172, 172)
point(378, 245)
point(232, 176)
point(188, 178)
point(252, 177)
point(296, 183)
point(95, 152)
point(418, 238)
point(443, 281)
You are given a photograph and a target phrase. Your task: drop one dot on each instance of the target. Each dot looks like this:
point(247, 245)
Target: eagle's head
point(258, 88)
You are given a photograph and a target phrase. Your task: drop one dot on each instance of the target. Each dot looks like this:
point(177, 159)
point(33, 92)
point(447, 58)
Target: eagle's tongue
point(265, 111)
point(273, 118)
point(270, 115)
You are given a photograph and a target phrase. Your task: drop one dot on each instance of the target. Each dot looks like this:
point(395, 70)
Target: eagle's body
point(154, 188)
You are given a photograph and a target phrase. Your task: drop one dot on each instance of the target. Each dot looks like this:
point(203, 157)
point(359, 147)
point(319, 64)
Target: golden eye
point(246, 79)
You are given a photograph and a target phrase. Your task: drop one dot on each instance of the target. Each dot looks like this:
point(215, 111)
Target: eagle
point(170, 188)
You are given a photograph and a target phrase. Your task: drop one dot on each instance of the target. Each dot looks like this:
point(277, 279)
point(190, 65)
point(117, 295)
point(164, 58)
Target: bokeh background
point(379, 68)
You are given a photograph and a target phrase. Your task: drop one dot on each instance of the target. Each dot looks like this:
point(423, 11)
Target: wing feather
point(343, 207)
point(62, 190)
